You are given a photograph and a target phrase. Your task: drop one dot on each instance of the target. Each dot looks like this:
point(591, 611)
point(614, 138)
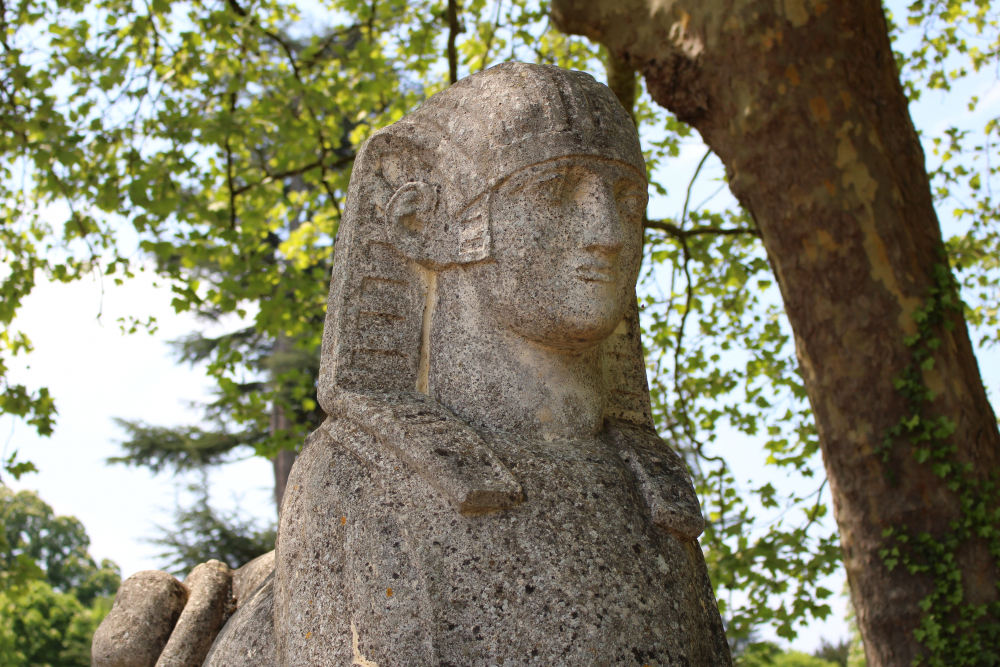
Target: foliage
point(188, 448)
point(41, 626)
point(722, 359)
point(202, 533)
point(37, 544)
point(767, 654)
point(798, 659)
point(856, 647)
point(219, 138)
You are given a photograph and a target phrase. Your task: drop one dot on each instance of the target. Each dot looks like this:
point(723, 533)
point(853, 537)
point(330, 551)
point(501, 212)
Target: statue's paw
point(204, 615)
point(663, 479)
point(139, 624)
point(157, 621)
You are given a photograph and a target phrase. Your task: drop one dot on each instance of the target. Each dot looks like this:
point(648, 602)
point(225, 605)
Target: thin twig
point(689, 288)
point(229, 169)
point(687, 197)
point(489, 42)
point(235, 6)
point(229, 184)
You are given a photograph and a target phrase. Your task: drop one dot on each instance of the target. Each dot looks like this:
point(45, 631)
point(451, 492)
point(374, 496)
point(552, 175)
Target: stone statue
point(489, 489)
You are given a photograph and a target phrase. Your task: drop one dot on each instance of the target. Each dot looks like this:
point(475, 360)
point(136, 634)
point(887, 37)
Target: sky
point(97, 374)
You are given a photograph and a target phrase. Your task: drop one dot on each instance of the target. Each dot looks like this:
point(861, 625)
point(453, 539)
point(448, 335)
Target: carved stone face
point(567, 244)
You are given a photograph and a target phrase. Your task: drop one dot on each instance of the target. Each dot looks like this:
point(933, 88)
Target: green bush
point(40, 626)
point(767, 654)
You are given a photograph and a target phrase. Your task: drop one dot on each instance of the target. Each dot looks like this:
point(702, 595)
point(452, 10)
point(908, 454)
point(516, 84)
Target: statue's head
point(527, 178)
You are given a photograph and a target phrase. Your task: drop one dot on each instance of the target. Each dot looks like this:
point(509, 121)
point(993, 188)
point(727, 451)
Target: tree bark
point(801, 101)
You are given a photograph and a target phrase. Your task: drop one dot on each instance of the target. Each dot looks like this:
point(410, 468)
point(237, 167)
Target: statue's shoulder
point(431, 440)
point(662, 476)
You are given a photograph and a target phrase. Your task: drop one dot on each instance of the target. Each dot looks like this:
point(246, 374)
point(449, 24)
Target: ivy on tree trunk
point(802, 102)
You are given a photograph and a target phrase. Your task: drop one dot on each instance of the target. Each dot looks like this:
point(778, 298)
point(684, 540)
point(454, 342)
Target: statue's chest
point(377, 546)
point(579, 557)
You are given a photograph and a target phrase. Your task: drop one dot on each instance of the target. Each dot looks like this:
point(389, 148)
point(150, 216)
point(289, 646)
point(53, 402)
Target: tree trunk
point(279, 422)
point(282, 466)
point(802, 102)
point(623, 81)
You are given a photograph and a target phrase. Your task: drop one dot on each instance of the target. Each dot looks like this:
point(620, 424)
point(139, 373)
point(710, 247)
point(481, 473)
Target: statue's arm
point(434, 443)
point(663, 478)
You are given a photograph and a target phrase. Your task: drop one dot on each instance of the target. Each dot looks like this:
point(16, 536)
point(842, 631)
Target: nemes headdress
point(455, 150)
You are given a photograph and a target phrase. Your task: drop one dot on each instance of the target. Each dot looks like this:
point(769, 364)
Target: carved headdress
point(458, 147)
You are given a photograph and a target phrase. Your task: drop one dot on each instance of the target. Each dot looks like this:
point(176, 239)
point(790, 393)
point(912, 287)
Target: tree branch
point(309, 64)
point(678, 233)
point(453, 29)
point(235, 6)
point(270, 178)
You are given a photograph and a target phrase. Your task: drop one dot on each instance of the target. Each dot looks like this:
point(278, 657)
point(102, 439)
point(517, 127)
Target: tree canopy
point(212, 143)
point(52, 592)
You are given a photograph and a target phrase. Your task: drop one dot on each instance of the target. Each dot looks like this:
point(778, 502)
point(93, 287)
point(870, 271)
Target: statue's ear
point(418, 226)
point(474, 231)
point(413, 219)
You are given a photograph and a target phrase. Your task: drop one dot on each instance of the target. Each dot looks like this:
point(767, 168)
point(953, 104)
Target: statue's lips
point(597, 273)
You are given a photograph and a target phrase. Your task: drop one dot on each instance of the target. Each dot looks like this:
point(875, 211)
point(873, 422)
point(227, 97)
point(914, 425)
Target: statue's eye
point(552, 187)
point(631, 201)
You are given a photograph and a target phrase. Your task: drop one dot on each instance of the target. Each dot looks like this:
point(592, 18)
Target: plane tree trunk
point(802, 102)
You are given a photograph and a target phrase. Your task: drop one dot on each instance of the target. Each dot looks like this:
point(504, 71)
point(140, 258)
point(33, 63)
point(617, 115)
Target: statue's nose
point(603, 228)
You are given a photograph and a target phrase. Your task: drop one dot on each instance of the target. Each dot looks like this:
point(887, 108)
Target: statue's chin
point(578, 332)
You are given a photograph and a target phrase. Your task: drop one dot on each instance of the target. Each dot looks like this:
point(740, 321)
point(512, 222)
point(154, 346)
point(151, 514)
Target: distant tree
point(749, 651)
point(204, 533)
point(799, 659)
point(52, 593)
point(289, 373)
point(51, 548)
point(837, 653)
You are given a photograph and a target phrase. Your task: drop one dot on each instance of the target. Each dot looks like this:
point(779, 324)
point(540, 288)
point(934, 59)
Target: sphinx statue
point(489, 488)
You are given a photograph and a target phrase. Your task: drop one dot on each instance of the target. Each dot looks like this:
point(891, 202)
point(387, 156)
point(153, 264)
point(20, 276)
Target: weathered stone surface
point(247, 579)
point(139, 624)
point(247, 639)
point(209, 585)
point(489, 489)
